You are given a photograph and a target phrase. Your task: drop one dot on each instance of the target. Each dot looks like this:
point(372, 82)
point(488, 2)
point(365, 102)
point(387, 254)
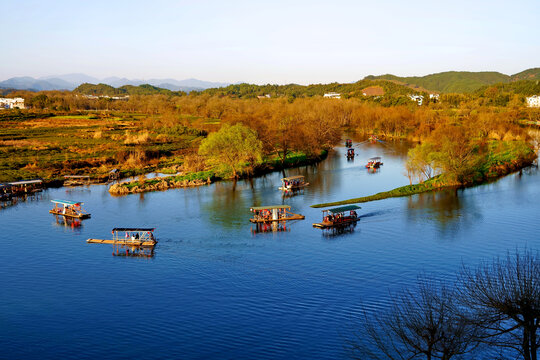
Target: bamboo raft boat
point(374, 163)
point(69, 208)
point(133, 237)
point(293, 183)
point(265, 214)
point(336, 217)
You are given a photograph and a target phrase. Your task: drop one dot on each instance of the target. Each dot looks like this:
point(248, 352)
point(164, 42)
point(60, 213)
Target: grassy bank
point(163, 183)
point(199, 178)
point(502, 158)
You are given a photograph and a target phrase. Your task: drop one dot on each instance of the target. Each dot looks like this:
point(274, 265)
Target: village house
point(434, 97)
point(419, 99)
point(267, 96)
point(533, 101)
point(14, 103)
point(332, 95)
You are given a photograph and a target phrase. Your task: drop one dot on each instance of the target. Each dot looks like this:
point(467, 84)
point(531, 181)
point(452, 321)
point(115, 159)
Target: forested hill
point(294, 90)
point(530, 74)
point(450, 81)
point(521, 87)
point(104, 89)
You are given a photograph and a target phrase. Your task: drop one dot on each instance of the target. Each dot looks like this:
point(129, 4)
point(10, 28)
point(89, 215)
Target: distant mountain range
point(444, 82)
point(71, 81)
point(458, 81)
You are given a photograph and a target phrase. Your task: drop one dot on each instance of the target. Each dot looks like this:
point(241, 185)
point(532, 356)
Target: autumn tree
point(232, 146)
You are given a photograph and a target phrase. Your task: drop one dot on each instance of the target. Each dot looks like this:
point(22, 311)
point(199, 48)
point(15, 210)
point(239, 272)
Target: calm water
point(216, 289)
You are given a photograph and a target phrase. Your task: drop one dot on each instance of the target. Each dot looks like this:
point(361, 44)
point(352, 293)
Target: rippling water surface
point(217, 289)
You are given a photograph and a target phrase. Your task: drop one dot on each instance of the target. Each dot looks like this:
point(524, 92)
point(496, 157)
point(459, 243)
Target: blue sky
point(266, 41)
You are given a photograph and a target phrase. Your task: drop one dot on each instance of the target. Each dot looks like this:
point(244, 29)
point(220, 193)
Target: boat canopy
point(375, 158)
point(67, 202)
point(133, 229)
point(26, 182)
point(256, 208)
point(296, 177)
point(343, 209)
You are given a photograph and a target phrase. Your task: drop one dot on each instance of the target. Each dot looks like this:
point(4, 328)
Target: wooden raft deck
point(292, 217)
point(77, 216)
point(331, 224)
point(128, 242)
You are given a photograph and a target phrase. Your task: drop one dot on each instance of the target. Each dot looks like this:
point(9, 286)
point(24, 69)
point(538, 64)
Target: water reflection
point(133, 251)
point(449, 208)
point(17, 199)
point(273, 226)
point(339, 231)
point(68, 222)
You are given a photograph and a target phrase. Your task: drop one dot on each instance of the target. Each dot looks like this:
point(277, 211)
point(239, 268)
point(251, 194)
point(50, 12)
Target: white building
point(332, 95)
point(14, 103)
point(533, 101)
point(434, 97)
point(418, 98)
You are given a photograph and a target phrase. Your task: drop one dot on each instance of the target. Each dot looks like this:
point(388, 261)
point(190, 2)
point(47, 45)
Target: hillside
point(530, 74)
point(450, 81)
point(521, 87)
point(104, 89)
point(295, 90)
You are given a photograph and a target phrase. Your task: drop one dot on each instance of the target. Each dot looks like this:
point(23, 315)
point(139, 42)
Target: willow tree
point(232, 146)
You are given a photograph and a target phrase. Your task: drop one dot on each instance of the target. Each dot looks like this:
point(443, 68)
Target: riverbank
point(499, 163)
point(207, 177)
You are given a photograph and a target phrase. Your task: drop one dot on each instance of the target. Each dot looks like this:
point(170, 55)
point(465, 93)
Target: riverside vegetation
point(176, 133)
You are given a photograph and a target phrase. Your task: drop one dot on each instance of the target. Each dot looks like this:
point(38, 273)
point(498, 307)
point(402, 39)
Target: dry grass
point(137, 139)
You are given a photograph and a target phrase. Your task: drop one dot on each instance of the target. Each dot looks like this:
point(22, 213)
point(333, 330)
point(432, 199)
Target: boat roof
point(343, 209)
point(293, 177)
point(133, 229)
point(67, 202)
point(375, 158)
point(26, 182)
point(270, 207)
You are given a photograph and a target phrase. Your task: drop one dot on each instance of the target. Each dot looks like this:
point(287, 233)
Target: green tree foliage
point(293, 91)
point(233, 146)
point(450, 81)
point(107, 90)
point(420, 163)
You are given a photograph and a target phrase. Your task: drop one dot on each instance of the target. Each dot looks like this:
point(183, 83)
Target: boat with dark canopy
point(374, 162)
point(338, 217)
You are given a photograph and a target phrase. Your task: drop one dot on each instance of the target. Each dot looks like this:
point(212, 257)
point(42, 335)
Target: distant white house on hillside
point(332, 95)
point(14, 103)
point(418, 98)
point(533, 101)
point(434, 97)
point(267, 96)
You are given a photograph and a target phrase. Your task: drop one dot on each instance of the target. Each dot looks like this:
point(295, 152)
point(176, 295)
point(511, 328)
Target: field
point(91, 144)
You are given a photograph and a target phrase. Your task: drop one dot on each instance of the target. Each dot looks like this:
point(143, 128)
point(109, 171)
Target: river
point(217, 289)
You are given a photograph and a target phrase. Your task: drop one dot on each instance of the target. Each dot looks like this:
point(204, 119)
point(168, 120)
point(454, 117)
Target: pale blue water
point(214, 289)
